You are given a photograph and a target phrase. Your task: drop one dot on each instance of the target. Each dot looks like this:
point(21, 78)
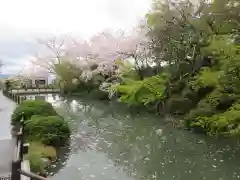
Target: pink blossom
point(102, 49)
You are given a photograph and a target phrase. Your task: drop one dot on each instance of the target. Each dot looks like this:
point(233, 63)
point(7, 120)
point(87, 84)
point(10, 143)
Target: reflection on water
point(107, 143)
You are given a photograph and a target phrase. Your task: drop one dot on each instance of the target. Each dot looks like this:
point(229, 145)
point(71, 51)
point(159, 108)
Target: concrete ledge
point(26, 167)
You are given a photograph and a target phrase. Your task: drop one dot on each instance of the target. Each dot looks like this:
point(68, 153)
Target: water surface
point(108, 142)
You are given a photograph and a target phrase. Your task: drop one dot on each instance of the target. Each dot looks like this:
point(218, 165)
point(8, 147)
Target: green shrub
point(190, 94)
point(226, 123)
point(176, 87)
point(142, 92)
point(205, 107)
point(178, 105)
point(32, 107)
point(214, 103)
point(36, 152)
point(36, 163)
point(50, 130)
point(45, 151)
point(205, 78)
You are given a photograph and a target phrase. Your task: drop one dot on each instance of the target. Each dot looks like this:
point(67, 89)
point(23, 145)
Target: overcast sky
point(21, 21)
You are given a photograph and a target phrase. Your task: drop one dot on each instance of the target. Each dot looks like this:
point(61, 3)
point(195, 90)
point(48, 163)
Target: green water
point(108, 142)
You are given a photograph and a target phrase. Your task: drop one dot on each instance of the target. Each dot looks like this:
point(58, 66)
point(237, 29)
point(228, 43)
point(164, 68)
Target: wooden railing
point(19, 151)
point(16, 98)
point(34, 90)
point(17, 94)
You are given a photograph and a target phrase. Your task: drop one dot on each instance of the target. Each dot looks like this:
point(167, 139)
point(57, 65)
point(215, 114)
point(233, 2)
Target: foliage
point(36, 152)
point(178, 105)
point(11, 83)
point(226, 123)
point(126, 71)
point(199, 44)
point(215, 102)
point(50, 130)
point(36, 163)
point(142, 92)
point(205, 78)
point(45, 151)
point(68, 75)
point(7, 84)
point(30, 108)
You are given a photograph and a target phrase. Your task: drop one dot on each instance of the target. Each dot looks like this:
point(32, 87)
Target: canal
point(108, 142)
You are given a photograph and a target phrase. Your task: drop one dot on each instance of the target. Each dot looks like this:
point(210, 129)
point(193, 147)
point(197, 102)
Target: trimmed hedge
point(42, 123)
point(50, 130)
point(32, 107)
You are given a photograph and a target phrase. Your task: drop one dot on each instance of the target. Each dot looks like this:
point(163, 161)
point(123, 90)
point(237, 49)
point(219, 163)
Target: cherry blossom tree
point(51, 52)
point(106, 47)
point(98, 53)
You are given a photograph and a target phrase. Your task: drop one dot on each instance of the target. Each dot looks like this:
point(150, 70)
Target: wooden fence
point(15, 97)
point(19, 151)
